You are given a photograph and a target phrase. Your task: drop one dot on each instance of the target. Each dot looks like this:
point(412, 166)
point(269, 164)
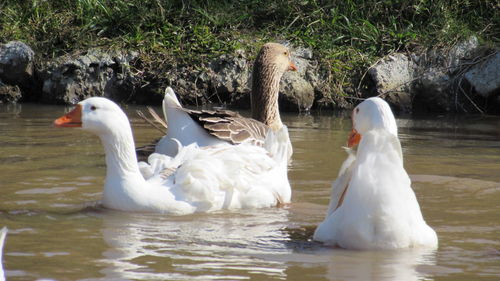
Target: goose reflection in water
point(404, 264)
point(239, 246)
point(151, 246)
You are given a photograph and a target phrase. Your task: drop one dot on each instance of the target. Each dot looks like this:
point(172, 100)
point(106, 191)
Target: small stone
point(9, 93)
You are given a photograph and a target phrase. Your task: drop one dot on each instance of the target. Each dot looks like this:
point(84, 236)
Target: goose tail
point(170, 100)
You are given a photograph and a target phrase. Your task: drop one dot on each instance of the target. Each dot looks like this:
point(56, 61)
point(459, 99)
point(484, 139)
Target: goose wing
point(230, 126)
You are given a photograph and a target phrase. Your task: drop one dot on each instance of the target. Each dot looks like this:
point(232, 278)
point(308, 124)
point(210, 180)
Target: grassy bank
point(347, 35)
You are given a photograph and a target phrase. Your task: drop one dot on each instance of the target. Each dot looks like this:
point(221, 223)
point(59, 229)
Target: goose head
point(272, 61)
point(97, 115)
point(104, 118)
point(276, 56)
point(372, 113)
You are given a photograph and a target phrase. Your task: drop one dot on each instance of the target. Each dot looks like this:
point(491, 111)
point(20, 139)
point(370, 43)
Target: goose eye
point(285, 53)
point(93, 108)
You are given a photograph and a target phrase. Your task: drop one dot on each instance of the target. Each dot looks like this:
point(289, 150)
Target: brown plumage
point(272, 61)
point(230, 126)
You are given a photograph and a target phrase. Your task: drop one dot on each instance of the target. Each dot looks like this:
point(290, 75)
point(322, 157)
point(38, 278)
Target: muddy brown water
point(51, 181)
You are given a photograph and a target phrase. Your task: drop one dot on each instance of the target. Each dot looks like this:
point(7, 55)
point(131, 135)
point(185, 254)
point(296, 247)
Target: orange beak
point(72, 119)
point(292, 66)
point(354, 138)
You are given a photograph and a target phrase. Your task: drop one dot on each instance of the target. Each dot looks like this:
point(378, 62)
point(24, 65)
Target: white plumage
point(372, 204)
point(181, 128)
point(195, 180)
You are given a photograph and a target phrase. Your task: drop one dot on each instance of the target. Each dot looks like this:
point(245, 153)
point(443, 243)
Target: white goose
point(3, 234)
point(222, 127)
point(372, 205)
point(196, 180)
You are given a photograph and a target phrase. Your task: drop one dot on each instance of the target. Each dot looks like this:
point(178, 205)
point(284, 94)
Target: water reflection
point(256, 244)
point(201, 246)
point(380, 265)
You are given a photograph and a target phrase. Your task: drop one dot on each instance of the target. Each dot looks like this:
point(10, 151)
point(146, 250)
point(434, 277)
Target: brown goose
point(228, 127)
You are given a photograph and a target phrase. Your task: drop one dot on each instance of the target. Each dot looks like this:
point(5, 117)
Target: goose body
point(207, 128)
point(195, 180)
point(372, 204)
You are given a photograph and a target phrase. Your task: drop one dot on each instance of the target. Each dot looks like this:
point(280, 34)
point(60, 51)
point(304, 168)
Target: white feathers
point(196, 179)
point(226, 177)
point(372, 204)
point(182, 128)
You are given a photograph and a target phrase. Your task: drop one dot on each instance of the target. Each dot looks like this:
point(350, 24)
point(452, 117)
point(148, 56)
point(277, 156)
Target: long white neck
point(125, 185)
point(120, 152)
point(123, 176)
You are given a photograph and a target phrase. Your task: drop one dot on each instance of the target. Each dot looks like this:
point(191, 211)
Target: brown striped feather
point(230, 126)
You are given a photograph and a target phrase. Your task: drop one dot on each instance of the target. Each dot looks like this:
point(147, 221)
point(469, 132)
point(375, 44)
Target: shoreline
point(462, 79)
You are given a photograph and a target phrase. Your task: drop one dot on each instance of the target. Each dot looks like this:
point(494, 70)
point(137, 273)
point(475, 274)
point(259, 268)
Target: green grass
point(348, 35)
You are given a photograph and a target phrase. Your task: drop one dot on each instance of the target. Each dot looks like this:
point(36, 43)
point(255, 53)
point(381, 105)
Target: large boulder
point(16, 63)
point(225, 80)
point(296, 92)
point(17, 71)
point(230, 76)
point(431, 91)
point(438, 76)
point(434, 80)
point(72, 78)
point(484, 77)
point(393, 79)
point(461, 51)
point(393, 73)
point(190, 84)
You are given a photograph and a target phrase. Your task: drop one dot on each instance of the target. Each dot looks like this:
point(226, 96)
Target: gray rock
point(399, 101)
point(394, 73)
point(434, 80)
point(428, 81)
point(75, 77)
point(230, 74)
point(436, 74)
point(431, 91)
point(485, 77)
point(16, 63)
point(296, 94)
point(462, 50)
point(302, 53)
point(191, 85)
point(296, 89)
point(9, 93)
